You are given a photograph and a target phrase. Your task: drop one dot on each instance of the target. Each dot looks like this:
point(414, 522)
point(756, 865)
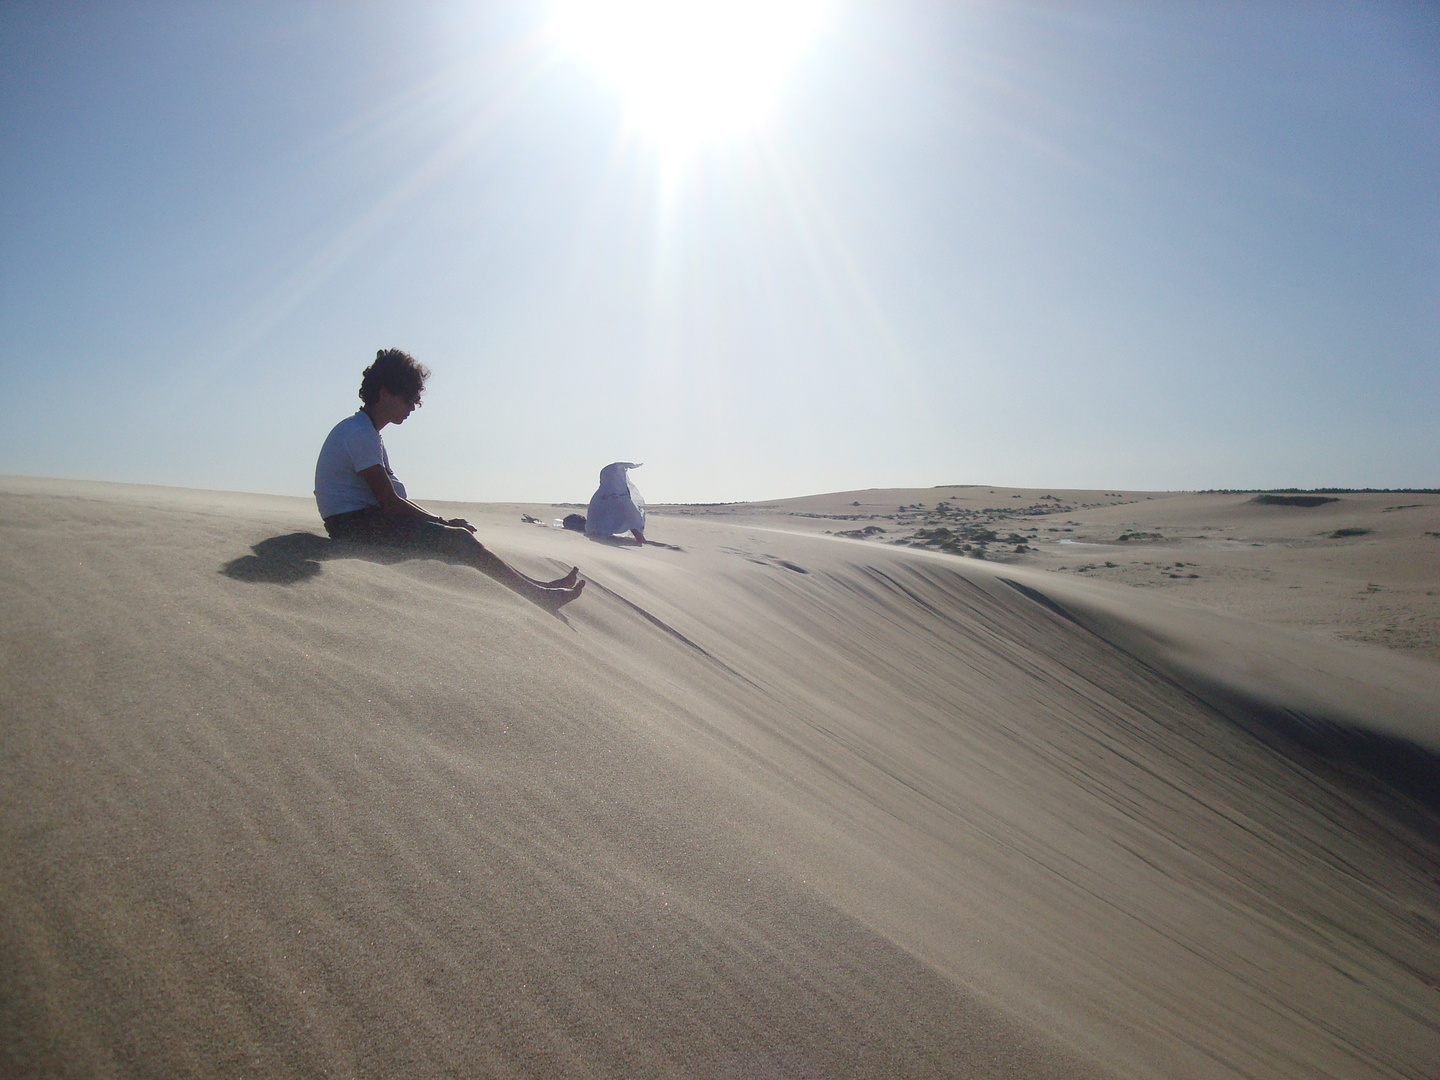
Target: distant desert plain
point(1345, 566)
point(965, 781)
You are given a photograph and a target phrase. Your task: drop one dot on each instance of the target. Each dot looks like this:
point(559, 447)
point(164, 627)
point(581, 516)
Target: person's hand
point(461, 523)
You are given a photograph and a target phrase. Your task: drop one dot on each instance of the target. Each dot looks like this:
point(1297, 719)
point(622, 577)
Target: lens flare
point(689, 72)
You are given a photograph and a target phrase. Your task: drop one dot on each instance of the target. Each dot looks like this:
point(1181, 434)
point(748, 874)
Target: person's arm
point(391, 503)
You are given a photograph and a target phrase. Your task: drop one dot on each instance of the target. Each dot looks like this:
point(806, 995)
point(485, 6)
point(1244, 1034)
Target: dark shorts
point(372, 526)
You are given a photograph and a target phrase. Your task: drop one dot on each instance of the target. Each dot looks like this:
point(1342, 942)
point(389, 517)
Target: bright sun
point(689, 70)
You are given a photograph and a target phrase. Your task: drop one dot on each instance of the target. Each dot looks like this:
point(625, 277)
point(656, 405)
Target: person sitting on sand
point(361, 499)
point(617, 507)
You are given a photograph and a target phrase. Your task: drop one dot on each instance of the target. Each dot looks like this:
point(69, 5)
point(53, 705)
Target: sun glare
point(689, 71)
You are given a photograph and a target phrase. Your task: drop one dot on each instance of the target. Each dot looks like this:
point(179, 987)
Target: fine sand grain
point(762, 803)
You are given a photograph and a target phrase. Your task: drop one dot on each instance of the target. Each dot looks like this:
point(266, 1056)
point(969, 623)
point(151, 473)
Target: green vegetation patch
point(1306, 501)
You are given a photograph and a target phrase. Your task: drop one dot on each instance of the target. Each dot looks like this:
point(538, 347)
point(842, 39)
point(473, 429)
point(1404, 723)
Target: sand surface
point(1265, 557)
point(764, 803)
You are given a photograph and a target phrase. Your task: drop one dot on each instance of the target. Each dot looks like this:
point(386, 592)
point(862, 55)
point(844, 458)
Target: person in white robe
point(617, 507)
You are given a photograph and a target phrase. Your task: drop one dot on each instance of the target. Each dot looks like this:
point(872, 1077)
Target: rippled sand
point(762, 803)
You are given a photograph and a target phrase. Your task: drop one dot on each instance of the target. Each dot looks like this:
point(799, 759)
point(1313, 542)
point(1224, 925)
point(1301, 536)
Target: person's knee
point(462, 542)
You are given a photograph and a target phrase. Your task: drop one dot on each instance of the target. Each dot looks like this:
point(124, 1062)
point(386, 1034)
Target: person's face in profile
point(392, 408)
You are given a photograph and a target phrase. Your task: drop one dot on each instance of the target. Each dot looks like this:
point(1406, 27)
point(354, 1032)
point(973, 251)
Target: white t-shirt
point(352, 445)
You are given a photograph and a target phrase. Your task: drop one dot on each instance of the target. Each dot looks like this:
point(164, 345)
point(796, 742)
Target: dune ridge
point(760, 804)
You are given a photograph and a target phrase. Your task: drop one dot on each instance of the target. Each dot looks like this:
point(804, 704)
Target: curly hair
point(396, 371)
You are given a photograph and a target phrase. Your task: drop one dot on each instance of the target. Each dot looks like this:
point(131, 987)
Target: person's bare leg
point(487, 562)
point(639, 535)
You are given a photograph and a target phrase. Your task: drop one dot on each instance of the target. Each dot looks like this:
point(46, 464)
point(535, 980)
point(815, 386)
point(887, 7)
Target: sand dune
point(763, 803)
point(1357, 567)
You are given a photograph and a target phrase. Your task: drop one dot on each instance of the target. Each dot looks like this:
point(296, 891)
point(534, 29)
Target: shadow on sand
point(296, 557)
point(627, 542)
point(1361, 758)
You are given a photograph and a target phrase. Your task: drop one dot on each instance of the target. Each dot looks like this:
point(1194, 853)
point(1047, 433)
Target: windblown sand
point(763, 803)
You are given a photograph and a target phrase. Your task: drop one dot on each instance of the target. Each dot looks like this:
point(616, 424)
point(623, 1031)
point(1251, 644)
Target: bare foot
point(555, 599)
point(566, 582)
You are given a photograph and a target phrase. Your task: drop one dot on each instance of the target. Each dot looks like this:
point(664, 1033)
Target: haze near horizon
point(769, 250)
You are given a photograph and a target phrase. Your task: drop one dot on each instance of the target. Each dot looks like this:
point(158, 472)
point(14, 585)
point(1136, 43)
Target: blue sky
point(1117, 245)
